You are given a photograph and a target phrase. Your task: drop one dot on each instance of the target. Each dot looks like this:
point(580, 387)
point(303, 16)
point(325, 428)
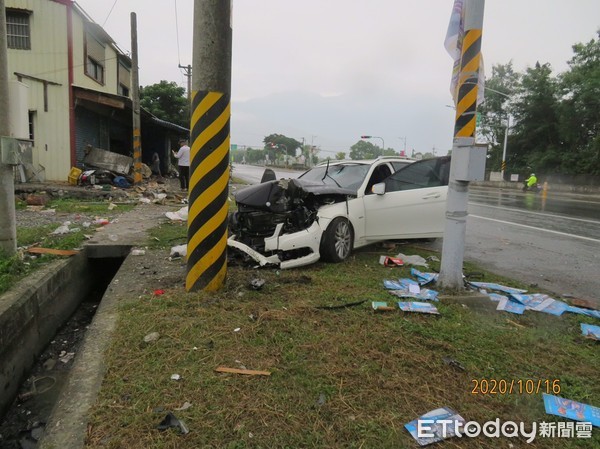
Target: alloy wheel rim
point(342, 240)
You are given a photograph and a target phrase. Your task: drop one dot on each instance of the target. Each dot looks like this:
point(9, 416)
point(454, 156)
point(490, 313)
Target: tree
point(500, 89)
point(537, 145)
point(580, 110)
point(364, 150)
point(167, 101)
point(278, 145)
point(340, 156)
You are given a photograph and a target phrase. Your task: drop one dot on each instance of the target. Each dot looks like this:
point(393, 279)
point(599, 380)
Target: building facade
point(76, 84)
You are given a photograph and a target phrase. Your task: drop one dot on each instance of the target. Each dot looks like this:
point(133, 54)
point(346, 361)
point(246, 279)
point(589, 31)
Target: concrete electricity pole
point(135, 96)
point(464, 154)
point(209, 155)
point(8, 228)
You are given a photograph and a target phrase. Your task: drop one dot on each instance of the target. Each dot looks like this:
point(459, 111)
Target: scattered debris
point(424, 278)
point(172, 421)
point(185, 406)
point(175, 376)
point(585, 303)
point(249, 372)
point(237, 329)
point(590, 331)
point(497, 287)
point(381, 306)
point(342, 306)
point(152, 336)
point(510, 306)
point(388, 261)
point(438, 432)
point(56, 252)
point(408, 288)
point(413, 260)
point(112, 206)
point(180, 215)
point(567, 408)
point(453, 363)
point(138, 252)
point(179, 251)
point(419, 307)
point(257, 283)
point(158, 292)
point(66, 357)
point(322, 399)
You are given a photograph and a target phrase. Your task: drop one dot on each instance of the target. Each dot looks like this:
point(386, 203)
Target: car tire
point(337, 241)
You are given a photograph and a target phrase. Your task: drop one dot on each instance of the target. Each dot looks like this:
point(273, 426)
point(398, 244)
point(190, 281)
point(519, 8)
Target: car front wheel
point(337, 241)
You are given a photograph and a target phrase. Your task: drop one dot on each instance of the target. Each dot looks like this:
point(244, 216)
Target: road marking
point(535, 228)
point(514, 209)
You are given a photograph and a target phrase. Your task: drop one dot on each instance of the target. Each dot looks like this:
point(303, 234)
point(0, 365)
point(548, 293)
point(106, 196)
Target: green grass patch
point(72, 205)
point(168, 235)
point(341, 378)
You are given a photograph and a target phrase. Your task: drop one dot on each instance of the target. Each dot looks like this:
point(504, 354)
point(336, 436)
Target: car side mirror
point(378, 189)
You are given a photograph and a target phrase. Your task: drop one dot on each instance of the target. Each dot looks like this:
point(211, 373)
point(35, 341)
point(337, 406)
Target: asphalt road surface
point(550, 242)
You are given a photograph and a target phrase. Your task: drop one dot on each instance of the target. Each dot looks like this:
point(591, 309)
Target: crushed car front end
point(279, 220)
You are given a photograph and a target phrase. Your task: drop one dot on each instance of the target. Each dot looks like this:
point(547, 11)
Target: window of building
point(32, 127)
point(17, 30)
point(124, 77)
point(95, 56)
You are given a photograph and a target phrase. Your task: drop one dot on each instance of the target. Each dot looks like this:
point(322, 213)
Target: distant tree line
point(554, 120)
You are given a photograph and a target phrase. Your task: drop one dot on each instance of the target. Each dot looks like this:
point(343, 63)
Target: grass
point(15, 268)
point(341, 378)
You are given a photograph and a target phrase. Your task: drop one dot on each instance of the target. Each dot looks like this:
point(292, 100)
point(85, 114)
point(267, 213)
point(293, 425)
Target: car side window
point(379, 174)
point(398, 165)
point(421, 174)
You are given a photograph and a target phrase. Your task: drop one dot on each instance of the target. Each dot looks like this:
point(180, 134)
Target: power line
point(177, 34)
point(109, 13)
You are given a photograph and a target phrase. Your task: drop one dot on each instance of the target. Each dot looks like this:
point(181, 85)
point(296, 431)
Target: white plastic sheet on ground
point(180, 215)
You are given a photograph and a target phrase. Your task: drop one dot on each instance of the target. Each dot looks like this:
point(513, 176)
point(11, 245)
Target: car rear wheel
point(337, 241)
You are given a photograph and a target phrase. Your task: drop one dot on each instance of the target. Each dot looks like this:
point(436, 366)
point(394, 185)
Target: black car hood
point(279, 196)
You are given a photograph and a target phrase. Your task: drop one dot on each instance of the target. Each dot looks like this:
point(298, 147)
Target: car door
point(413, 204)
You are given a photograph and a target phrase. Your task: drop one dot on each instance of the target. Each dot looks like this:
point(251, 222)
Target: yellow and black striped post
point(466, 101)
point(209, 149)
point(209, 181)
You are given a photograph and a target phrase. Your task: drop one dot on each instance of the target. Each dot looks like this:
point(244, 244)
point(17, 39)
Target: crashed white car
point(338, 206)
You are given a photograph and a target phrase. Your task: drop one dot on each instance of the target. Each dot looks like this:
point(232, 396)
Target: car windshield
point(349, 176)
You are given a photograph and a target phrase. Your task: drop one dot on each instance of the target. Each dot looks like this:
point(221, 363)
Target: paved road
point(551, 242)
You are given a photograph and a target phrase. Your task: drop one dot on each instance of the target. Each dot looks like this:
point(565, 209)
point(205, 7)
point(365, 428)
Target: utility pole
point(187, 69)
point(135, 94)
point(8, 228)
point(463, 150)
point(209, 155)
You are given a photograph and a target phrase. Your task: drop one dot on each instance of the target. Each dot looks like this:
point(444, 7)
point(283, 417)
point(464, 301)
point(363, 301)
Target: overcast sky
point(329, 71)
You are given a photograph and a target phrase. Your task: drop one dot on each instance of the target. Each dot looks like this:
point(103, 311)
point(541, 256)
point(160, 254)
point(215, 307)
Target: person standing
point(156, 165)
point(183, 162)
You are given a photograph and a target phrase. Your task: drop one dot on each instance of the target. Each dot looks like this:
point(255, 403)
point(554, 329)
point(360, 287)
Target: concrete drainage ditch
point(49, 336)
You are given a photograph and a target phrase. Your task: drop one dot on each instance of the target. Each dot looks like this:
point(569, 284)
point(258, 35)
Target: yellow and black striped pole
point(466, 102)
point(209, 149)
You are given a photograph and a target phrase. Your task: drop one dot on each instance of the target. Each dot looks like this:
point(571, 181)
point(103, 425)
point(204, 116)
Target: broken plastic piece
point(413, 260)
point(172, 421)
point(453, 363)
point(343, 306)
point(388, 261)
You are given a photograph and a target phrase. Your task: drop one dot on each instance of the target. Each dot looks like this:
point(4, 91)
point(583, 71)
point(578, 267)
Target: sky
point(328, 71)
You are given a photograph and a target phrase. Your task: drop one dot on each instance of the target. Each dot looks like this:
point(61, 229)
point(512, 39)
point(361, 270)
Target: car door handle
point(431, 195)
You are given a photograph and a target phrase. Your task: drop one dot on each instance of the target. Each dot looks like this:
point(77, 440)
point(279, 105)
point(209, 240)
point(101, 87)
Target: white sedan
point(336, 207)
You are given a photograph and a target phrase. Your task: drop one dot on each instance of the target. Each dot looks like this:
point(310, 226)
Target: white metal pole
point(453, 249)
